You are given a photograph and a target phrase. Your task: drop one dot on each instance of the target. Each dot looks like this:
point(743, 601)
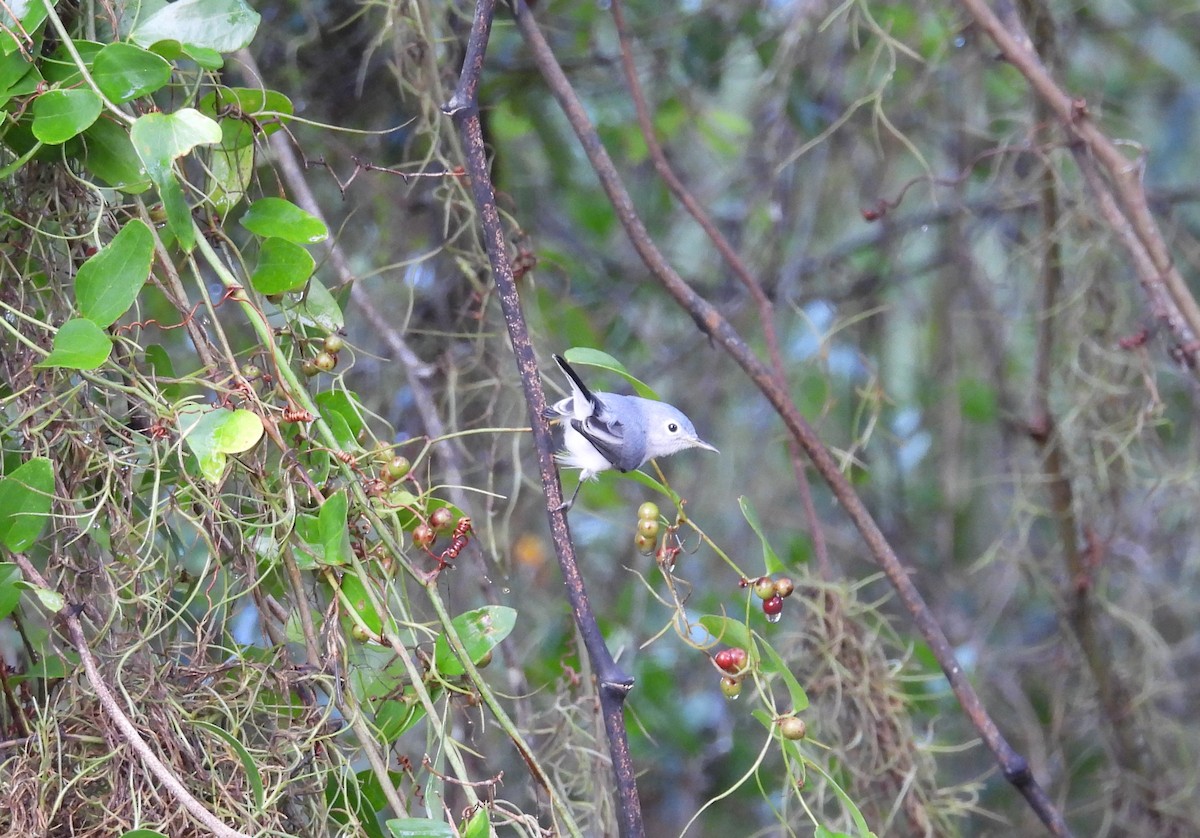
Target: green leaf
point(479, 826)
point(419, 828)
point(142, 833)
point(395, 718)
point(59, 115)
point(10, 594)
point(25, 499)
point(52, 601)
point(282, 266)
point(355, 590)
point(161, 138)
point(977, 400)
point(248, 761)
point(584, 356)
point(770, 558)
point(335, 537)
point(339, 404)
point(318, 308)
point(79, 345)
point(212, 434)
point(729, 631)
point(283, 219)
point(109, 155)
point(108, 283)
point(123, 72)
point(31, 15)
point(220, 25)
point(230, 170)
point(480, 630)
point(245, 112)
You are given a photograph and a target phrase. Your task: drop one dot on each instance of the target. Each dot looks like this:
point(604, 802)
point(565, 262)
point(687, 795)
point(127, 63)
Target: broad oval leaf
point(79, 345)
point(124, 72)
point(25, 498)
point(245, 112)
point(220, 25)
point(59, 115)
point(283, 219)
point(335, 538)
point(108, 283)
point(480, 630)
point(282, 266)
point(319, 308)
point(595, 358)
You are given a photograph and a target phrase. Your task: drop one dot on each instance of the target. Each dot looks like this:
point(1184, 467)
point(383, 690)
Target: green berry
point(784, 586)
point(648, 527)
point(324, 362)
point(334, 344)
point(308, 369)
point(732, 687)
point(793, 728)
point(648, 511)
point(764, 587)
point(396, 469)
point(643, 544)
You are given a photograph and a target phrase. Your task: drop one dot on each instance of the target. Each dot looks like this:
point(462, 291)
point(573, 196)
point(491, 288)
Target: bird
point(603, 431)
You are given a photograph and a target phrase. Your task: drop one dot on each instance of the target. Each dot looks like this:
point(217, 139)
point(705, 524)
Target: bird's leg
point(566, 505)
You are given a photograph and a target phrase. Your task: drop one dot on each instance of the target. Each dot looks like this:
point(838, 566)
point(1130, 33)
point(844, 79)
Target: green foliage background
point(231, 528)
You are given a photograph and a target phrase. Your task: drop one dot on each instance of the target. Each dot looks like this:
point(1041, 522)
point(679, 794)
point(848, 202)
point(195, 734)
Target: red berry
point(731, 660)
point(772, 606)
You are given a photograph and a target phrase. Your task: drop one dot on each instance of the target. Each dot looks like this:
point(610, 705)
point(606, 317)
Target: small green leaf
point(25, 500)
point(230, 171)
point(773, 663)
point(340, 404)
point(595, 358)
point(108, 283)
point(728, 631)
point(283, 219)
point(10, 594)
point(212, 434)
point(79, 345)
point(282, 266)
point(124, 72)
point(355, 591)
point(770, 558)
point(52, 601)
point(977, 400)
point(245, 112)
point(142, 833)
point(419, 828)
point(335, 537)
point(318, 308)
point(220, 25)
point(480, 630)
point(479, 826)
point(59, 115)
point(248, 761)
point(395, 718)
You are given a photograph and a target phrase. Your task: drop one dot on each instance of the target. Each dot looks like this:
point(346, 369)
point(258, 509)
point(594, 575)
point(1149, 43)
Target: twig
point(614, 683)
point(1152, 259)
point(113, 709)
point(714, 324)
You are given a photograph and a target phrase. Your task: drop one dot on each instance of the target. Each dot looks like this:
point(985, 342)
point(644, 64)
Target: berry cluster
point(772, 592)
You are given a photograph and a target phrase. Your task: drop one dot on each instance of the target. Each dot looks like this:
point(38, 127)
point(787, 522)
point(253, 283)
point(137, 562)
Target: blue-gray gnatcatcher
point(606, 430)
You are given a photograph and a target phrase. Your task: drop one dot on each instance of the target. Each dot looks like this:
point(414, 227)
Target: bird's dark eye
point(672, 427)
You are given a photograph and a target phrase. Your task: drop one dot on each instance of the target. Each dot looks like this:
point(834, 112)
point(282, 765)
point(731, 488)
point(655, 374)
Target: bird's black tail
point(575, 379)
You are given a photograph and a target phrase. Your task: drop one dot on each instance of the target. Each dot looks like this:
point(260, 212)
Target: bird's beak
point(699, 443)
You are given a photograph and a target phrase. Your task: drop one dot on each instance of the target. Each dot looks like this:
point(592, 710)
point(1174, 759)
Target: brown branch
point(112, 709)
point(1144, 240)
point(713, 323)
point(766, 311)
point(614, 683)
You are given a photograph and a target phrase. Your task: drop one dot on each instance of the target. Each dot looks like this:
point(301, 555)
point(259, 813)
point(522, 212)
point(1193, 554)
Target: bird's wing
point(606, 437)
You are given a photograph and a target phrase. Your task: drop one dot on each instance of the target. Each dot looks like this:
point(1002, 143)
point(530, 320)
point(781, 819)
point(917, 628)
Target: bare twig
point(1170, 299)
point(714, 324)
point(112, 709)
point(614, 683)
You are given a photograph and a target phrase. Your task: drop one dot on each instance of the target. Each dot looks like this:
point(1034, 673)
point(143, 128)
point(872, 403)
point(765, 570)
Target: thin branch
point(614, 683)
point(112, 709)
point(713, 323)
point(1171, 299)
